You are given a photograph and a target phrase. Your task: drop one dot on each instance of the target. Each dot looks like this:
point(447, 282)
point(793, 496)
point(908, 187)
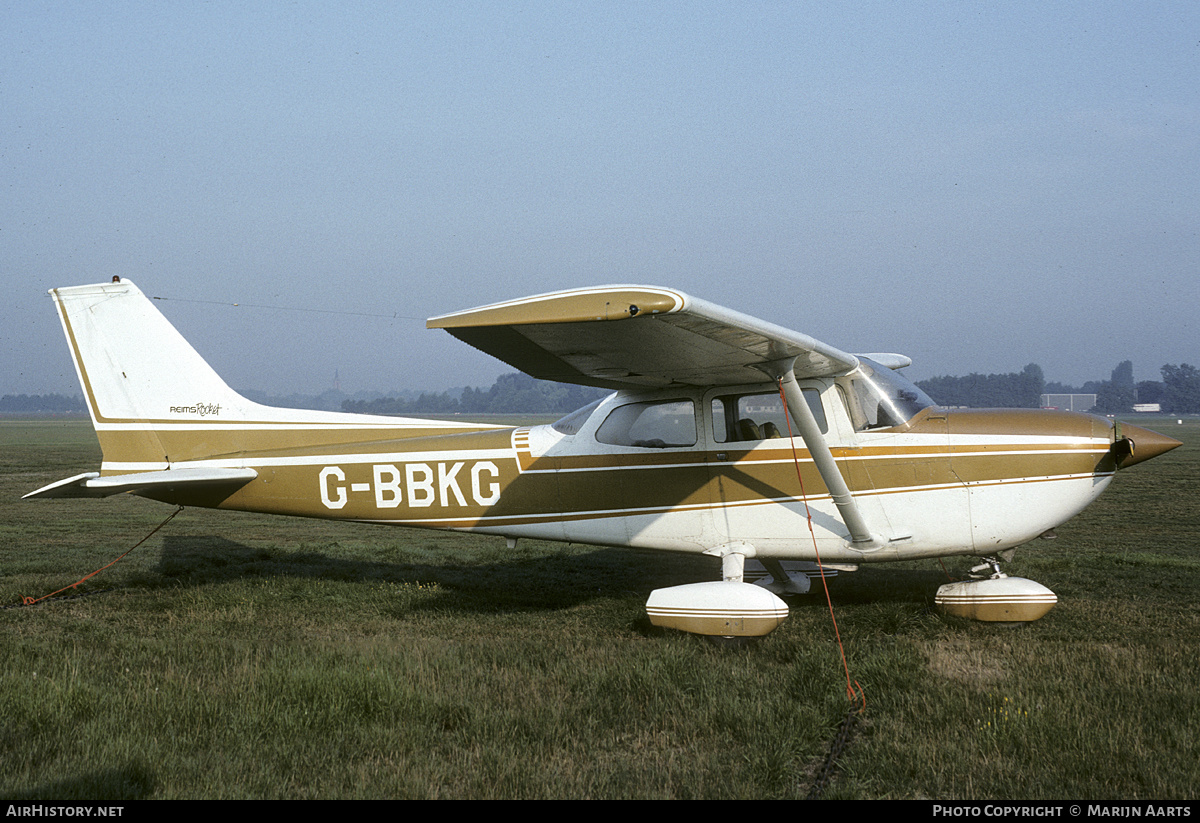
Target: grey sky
point(978, 186)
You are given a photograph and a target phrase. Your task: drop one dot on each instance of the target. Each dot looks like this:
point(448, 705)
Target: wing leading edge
point(624, 337)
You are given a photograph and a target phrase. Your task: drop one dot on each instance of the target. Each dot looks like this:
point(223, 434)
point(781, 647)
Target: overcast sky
point(979, 186)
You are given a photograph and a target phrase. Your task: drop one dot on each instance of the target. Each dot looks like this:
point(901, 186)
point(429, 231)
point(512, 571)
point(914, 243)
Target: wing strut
point(861, 537)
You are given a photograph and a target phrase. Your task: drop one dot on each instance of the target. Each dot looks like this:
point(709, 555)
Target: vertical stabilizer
point(157, 405)
point(140, 376)
point(134, 366)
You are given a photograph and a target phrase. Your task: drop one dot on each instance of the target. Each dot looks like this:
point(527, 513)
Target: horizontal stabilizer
point(91, 484)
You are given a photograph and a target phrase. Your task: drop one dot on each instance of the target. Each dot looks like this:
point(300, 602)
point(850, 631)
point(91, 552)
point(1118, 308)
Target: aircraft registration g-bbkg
point(725, 435)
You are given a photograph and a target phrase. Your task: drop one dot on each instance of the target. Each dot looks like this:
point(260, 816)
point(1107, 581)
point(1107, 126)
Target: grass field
point(242, 656)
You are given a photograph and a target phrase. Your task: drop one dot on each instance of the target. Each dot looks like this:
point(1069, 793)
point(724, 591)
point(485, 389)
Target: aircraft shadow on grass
point(521, 584)
point(533, 584)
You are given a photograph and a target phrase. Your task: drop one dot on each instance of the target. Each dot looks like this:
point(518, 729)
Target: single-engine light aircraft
point(725, 435)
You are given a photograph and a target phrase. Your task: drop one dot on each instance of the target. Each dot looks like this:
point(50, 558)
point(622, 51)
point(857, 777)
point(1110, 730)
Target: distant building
point(1069, 402)
point(1147, 407)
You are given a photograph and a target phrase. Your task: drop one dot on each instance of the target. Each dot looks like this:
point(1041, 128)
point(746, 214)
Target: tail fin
point(135, 368)
point(167, 421)
point(157, 405)
point(140, 378)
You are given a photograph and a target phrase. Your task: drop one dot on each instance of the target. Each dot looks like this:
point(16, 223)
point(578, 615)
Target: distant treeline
point(1177, 393)
point(40, 404)
point(1017, 390)
point(511, 393)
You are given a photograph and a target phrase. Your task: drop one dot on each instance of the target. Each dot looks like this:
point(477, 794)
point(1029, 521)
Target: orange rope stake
point(854, 692)
point(29, 601)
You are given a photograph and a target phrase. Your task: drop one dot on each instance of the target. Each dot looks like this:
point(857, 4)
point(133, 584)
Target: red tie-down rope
point(29, 601)
point(854, 692)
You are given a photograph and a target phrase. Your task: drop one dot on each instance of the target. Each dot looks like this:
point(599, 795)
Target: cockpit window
point(573, 422)
point(880, 398)
point(658, 424)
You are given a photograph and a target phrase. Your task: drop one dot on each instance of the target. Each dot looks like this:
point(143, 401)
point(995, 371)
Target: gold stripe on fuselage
point(491, 479)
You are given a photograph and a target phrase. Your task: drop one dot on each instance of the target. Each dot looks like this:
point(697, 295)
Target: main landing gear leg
point(783, 581)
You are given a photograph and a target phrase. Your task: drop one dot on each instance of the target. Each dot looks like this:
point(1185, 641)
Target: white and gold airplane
point(726, 435)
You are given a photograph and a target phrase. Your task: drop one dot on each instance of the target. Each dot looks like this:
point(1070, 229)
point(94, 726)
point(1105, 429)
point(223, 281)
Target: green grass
point(246, 656)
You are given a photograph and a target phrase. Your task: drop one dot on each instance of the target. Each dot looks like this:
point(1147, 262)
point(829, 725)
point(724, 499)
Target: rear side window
point(748, 417)
point(657, 424)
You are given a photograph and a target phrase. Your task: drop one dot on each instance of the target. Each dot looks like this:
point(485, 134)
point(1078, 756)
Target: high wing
point(623, 337)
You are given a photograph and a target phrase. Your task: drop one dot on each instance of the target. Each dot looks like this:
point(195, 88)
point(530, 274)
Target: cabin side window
point(656, 424)
point(748, 417)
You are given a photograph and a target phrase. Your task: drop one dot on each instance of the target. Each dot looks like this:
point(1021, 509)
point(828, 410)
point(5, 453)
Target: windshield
point(881, 398)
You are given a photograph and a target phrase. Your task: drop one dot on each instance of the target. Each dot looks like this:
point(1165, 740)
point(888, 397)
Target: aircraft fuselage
point(946, 482)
